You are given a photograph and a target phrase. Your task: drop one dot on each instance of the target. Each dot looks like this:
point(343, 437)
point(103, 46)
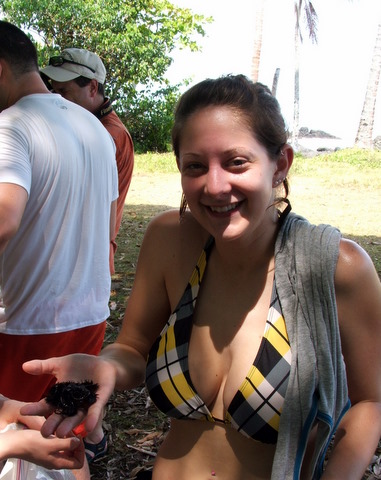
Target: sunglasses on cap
point(59, 60)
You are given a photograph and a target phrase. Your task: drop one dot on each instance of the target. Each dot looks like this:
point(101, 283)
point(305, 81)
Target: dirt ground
point(161, 189)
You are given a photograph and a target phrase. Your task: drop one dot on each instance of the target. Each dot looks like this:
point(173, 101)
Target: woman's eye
point(238, 162)
point(192, 167)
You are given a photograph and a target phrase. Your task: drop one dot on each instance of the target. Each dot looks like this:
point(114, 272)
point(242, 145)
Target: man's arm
point(13, 200)
point(112, 219)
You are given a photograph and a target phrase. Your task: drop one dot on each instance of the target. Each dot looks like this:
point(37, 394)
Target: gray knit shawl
point(305, 263)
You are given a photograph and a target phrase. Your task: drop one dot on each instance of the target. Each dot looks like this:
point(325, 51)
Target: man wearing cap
point(58, 191)
point(79, 76)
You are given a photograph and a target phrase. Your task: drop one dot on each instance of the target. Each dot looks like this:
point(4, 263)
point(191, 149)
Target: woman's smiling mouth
point(225, 208)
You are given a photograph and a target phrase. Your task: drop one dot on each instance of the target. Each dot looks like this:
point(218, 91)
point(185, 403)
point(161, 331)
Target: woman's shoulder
point(174, 235)
point(353, 266)
point(170, 251)
point(169, 222)
point(308, 241)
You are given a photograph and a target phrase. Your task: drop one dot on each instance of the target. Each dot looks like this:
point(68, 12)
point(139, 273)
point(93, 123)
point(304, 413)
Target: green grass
point(350, 167)
point(343, 161)
point(349, 156)
point(155, 163)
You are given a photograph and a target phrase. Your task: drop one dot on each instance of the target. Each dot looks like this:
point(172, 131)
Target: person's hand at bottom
point(52, 452)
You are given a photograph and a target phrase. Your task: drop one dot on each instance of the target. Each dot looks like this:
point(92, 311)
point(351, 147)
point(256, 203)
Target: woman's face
point(227, 176)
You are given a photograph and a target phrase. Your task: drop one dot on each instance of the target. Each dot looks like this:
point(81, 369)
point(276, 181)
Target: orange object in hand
point(80, 430)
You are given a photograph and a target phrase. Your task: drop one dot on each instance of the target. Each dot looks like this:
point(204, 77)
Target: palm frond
point(311, 20)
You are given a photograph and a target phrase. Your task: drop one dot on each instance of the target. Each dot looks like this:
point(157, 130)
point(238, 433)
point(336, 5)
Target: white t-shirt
point(54, 273)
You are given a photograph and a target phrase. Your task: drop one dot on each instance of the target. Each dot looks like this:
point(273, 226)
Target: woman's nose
point(217, 181)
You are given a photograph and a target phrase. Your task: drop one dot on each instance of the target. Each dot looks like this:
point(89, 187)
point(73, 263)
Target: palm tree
point(258, 29)
point(310, 17)
point(364, 137)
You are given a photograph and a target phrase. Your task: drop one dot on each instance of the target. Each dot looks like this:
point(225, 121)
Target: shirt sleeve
point(15, 164)
point(114, 184)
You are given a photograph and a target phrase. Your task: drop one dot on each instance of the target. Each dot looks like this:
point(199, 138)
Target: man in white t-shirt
point(58, 191)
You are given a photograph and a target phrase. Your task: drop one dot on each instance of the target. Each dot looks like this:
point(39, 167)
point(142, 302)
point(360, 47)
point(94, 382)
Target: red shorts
point(17, 349)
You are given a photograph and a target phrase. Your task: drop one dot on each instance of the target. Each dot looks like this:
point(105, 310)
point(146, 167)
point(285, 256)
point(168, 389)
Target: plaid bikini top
point(256, 407)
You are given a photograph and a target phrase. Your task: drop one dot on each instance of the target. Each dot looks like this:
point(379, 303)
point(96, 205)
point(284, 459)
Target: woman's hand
point(49, 452)
point(77, 368)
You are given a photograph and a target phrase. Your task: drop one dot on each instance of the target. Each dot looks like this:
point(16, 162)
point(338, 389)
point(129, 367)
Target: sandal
point(95, 450)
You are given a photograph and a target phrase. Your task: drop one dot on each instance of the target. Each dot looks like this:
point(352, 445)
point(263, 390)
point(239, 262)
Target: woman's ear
point(284, 163)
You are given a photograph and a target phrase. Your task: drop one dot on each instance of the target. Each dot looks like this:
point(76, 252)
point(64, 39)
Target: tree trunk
point(275, 82)
point(364, 137)
point(295, 129)
point(258, 34)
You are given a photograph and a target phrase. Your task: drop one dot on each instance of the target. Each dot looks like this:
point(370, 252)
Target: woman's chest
point(229, 323)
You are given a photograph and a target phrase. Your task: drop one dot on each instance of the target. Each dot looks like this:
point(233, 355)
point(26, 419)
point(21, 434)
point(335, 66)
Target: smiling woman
point(226, 174)
point(225, 138)
point(245, 311)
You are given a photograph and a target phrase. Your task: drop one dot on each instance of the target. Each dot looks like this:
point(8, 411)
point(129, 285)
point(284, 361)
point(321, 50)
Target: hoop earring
point(183, 206)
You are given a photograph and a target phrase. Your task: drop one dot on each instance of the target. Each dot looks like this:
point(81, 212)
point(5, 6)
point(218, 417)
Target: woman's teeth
point(225, 208)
